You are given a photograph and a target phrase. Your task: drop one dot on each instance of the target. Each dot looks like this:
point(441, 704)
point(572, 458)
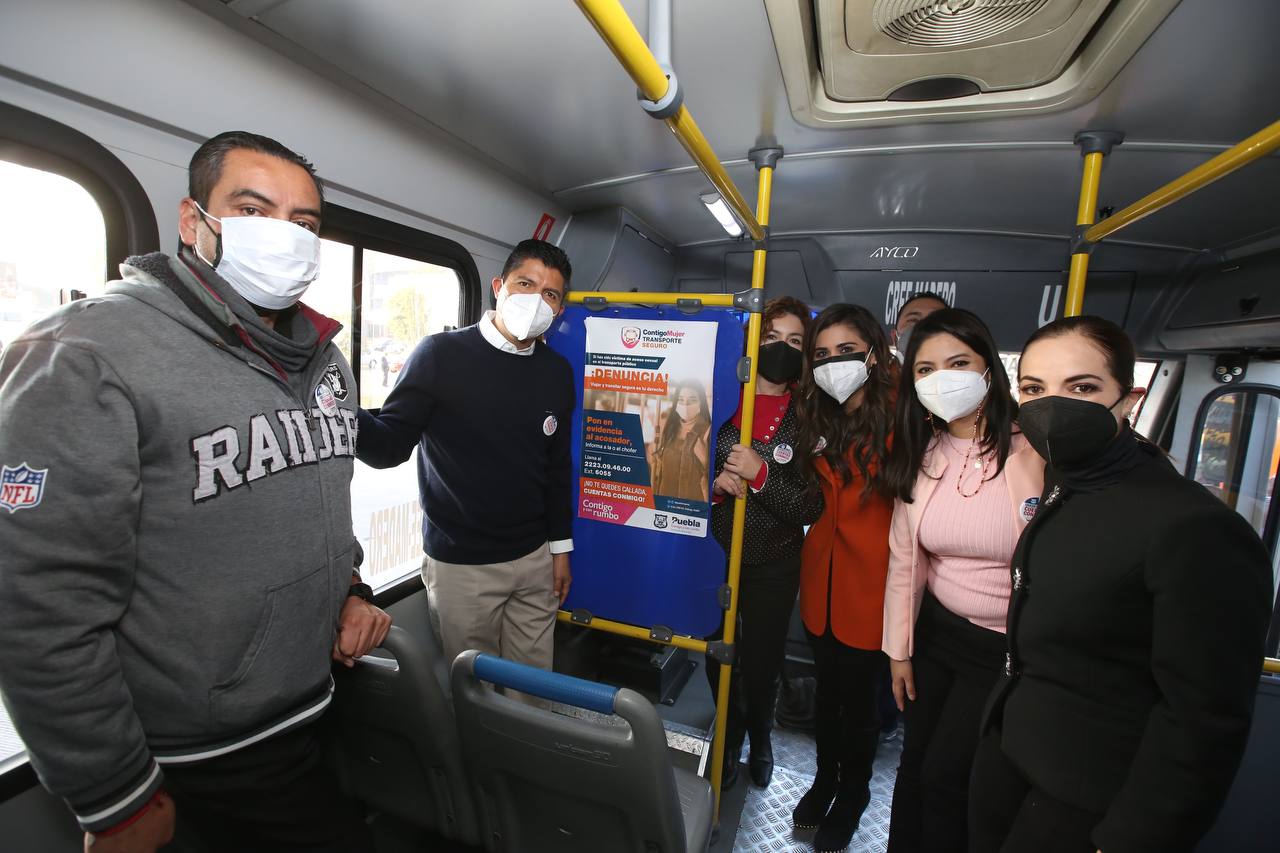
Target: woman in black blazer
point(1136, 627)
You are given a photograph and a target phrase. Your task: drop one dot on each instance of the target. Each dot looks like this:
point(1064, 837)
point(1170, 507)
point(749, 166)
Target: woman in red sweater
point(846, 416)
point(966, 484)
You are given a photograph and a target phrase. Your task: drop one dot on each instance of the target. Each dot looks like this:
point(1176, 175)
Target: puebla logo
point(630, 337)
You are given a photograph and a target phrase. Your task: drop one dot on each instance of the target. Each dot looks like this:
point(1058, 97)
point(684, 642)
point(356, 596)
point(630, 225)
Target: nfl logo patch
point(21, 487)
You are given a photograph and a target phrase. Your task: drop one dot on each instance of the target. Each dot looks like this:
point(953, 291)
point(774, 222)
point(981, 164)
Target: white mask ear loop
point(196, 245)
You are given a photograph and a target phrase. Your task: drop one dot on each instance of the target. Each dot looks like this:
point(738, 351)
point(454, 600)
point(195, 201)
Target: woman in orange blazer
point(965, 485)
point(846, 417)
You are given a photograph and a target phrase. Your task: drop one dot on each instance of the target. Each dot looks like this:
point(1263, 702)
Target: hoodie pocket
point(287, 661)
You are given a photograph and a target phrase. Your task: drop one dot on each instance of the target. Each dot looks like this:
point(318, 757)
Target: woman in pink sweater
point(966, 483)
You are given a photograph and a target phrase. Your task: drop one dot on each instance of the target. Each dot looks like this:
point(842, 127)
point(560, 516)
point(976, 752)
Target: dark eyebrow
point(1084, 376)
point(253, 194)
point(1029, 379)
point(257, 196)
point(957, 355)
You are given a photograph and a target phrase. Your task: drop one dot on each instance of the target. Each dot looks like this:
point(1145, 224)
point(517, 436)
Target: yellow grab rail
point(622, 37)
point(1260, 144)
point(1085, 213)
point(754, 321)
point(1271, 665)
point(635, 632)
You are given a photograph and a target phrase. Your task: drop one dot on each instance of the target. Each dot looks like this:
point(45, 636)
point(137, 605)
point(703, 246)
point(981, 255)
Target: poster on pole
point(647, 424)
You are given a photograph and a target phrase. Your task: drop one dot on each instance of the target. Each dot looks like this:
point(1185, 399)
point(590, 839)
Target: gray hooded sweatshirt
point(176, 525)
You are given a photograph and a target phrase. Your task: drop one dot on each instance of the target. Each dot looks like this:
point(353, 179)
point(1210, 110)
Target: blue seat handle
point(548, 685)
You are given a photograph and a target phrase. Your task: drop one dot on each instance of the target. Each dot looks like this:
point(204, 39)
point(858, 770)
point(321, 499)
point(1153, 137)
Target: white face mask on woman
point(688, 411)
point(841, 375)
point(526, 315)
point(952, 394)
point(270, 262)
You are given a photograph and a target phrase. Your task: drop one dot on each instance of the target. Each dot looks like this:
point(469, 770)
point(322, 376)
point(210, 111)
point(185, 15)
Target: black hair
point(551, 256)
point(866, 430)
point(928, 294)
point(206, 164)
point(916, 428)
point(1102, 333)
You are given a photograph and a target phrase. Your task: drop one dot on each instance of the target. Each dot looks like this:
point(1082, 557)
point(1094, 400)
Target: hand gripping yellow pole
point(740, 504)
point(622, 37)
point(1094, 145)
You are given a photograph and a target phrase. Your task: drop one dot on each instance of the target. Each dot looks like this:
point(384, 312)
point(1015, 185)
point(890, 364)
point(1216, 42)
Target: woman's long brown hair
point(867, 429)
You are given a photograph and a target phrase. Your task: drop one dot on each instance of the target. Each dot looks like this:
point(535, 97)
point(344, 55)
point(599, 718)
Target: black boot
point(813, 806)
point(760, 760)
point(854, 791)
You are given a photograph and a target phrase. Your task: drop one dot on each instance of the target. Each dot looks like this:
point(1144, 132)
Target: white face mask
point(526, 315)
point(269, 262)
point(842, 375)
point(688, 411)
point(952, 394)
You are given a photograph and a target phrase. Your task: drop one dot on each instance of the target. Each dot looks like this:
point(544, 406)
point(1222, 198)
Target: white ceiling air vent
point(871, 49)
point(850, 62)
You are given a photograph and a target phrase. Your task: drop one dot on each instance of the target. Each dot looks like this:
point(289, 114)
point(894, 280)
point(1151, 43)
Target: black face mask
point(1067, 432)
point(780, 362)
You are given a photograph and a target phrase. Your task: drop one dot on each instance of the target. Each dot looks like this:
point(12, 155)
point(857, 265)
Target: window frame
point(365, 231)
point(37, 142)
point(1271, 526)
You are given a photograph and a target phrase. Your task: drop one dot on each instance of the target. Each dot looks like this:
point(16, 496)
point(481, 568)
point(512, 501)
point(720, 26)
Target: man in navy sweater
point(488, 407)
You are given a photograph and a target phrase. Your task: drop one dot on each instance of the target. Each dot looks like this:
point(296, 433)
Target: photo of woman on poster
point(682, 455)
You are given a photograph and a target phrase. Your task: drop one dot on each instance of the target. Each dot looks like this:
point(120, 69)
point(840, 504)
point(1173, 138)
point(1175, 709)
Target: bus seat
point(397, 745)
point(548, 781)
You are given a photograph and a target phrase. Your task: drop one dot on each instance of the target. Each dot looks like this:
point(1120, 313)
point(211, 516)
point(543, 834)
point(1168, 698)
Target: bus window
point(53, 245)
point(402, 301)
point(1238, 451)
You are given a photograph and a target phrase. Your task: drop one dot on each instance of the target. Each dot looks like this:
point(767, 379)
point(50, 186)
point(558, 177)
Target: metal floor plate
point(766, 817)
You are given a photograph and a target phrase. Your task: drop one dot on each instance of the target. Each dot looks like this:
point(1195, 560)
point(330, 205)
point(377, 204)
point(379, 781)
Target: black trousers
point(1009, 815)
point(955, 666)
point(276, 795)
point(766, 597)
point(847, 720)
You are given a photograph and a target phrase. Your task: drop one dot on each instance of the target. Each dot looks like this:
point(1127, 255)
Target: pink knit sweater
point(970, 541)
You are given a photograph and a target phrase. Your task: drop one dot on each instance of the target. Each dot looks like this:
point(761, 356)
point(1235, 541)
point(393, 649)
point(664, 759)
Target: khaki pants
point(505, 609)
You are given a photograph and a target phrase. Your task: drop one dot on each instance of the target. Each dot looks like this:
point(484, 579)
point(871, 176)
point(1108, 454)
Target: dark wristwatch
point(362, 591)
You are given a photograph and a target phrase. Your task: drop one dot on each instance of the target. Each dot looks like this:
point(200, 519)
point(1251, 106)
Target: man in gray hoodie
point(179, 565)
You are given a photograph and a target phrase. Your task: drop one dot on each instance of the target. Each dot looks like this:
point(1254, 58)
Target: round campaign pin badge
point(783, 453)
point(1029, 507)
point(549, 425)
point(325, 399)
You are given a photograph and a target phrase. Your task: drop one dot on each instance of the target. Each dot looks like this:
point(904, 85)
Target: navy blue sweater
point(493, 484)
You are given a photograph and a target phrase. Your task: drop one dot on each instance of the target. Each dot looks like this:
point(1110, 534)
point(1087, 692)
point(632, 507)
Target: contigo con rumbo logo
point(630, 337)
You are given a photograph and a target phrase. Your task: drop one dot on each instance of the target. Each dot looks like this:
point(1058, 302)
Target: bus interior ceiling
point(475, 120)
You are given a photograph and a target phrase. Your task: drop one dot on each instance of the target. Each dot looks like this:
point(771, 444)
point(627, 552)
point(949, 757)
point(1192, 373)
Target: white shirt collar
point(491, 334)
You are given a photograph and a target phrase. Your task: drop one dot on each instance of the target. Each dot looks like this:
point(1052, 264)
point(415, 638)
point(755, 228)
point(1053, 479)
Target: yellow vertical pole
point(1085, 213)
point(1095, 145)
point(754, 319)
